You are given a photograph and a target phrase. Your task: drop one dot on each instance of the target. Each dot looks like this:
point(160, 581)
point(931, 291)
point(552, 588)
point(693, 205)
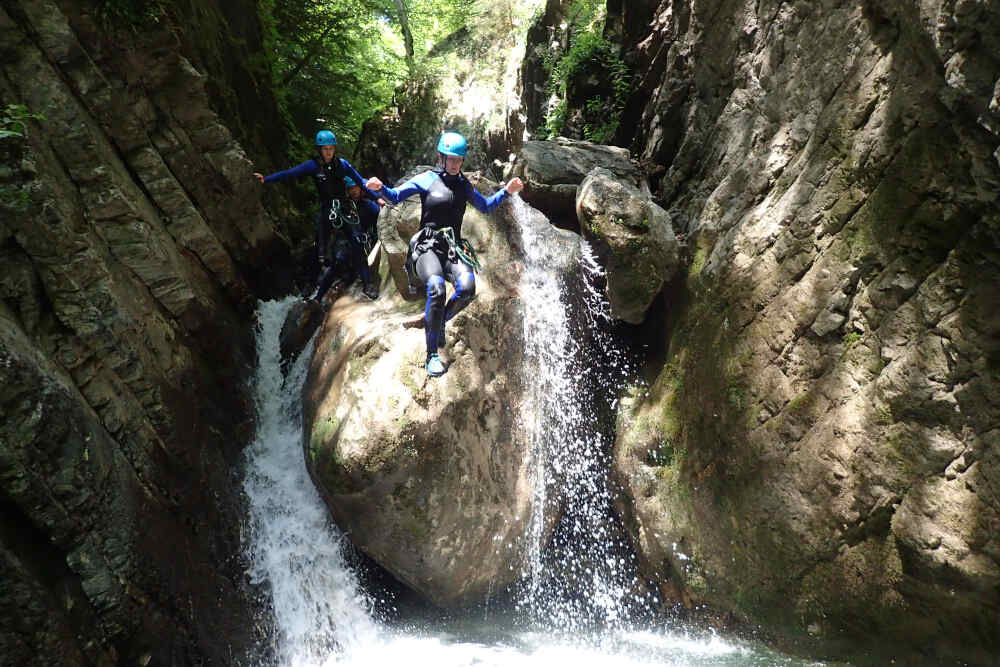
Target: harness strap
point(338, 216)
point(463, 249)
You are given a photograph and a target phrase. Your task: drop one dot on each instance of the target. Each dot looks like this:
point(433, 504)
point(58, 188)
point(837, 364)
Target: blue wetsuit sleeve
point(485, 204)
point(304, 169)
point(368, 211)
point(353, 173)
point(417, 185)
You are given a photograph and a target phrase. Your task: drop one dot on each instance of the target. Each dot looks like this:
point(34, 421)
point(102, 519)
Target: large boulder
point(431, 477)
point(552, 171)
point(633, 239)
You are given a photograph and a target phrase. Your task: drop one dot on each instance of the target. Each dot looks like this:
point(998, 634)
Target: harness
point(462, 249)
point(429, 239)
point(343, 211)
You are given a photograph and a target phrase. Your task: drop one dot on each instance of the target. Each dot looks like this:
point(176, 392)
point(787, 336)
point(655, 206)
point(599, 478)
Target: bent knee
point(466, 286)
point(436, 288)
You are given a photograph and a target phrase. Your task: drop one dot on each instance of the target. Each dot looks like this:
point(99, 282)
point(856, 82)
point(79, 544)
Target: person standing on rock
point(335, 207)
point(436, 250)
point(364, 235)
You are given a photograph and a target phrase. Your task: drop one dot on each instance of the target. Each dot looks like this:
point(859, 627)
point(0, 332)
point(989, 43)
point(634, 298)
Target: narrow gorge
point(728, 392)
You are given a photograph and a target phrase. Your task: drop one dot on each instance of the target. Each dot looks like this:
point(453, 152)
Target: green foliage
point(337, 63)
point(330, 62)
point(13, 121)
point(433, 20)
point(589, 54)
point(13, 127)
point(555, 120)
point(134, 14)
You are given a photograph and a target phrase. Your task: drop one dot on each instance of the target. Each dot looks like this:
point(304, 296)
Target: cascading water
point(295, 548)
point(578, 602)
point(585, 576)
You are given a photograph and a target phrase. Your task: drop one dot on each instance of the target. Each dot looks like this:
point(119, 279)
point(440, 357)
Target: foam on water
point(578, 602)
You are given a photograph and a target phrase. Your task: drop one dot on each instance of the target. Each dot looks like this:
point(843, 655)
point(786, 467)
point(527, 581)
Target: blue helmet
point(350, 182)
point(326, 138)
point(452, 143)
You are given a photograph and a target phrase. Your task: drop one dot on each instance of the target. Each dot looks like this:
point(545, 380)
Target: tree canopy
point(336, 62)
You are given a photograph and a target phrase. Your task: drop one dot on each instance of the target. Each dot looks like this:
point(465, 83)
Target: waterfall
point(586, 575)
point(577, 606)
point(295, 549)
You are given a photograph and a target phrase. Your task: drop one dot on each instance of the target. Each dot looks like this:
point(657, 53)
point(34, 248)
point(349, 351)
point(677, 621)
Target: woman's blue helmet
point(326, 138)
point(350, 182)
point(452, 143)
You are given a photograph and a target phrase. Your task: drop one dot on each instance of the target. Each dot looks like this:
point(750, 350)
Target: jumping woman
point(435, 248)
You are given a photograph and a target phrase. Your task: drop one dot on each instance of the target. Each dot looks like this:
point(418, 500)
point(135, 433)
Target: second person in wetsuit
point(444, 193)
point(328, 173)
point(362, 236)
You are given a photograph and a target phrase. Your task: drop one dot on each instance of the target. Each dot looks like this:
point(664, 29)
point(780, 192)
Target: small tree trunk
point(404, 24)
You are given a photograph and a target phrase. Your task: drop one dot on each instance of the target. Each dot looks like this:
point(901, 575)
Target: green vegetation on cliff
point(589, 82)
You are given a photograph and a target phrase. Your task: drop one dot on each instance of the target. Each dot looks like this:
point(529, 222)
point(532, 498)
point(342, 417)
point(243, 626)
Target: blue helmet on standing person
point(452, 143)
point(326, 138)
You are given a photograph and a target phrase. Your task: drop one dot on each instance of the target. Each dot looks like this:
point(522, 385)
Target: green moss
point(884, 416)
point(337, 341)
point(699, 260)
point(673, 489)
point(801, 403)
point(323, 432)
point(405, 377)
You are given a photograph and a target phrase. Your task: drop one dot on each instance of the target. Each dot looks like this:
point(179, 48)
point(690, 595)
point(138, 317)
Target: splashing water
point(576, 606)
point(585, 576)
point(294, 547)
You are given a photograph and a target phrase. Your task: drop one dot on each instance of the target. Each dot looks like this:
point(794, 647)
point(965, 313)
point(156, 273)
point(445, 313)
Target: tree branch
point(404, 24)
point(310, 54)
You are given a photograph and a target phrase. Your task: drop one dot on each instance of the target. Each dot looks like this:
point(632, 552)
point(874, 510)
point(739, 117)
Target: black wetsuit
point(334, 208)
point(443, 198)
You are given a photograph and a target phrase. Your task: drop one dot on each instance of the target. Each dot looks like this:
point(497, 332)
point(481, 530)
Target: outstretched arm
point(490, 204)
point(304, 169)
point(417, 185)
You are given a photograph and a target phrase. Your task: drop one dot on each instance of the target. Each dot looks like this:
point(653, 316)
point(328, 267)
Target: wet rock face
point(131, 238)
point(300, 324)
point(633, 239)
point(552, 171)
point(431, 477)
point(819, 451)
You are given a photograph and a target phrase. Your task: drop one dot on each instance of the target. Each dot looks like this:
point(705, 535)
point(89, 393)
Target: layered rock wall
point(132, 246)
point(819, 452)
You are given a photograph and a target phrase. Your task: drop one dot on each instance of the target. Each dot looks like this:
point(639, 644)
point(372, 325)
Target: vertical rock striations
point(129, 239)
point(820, 451)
